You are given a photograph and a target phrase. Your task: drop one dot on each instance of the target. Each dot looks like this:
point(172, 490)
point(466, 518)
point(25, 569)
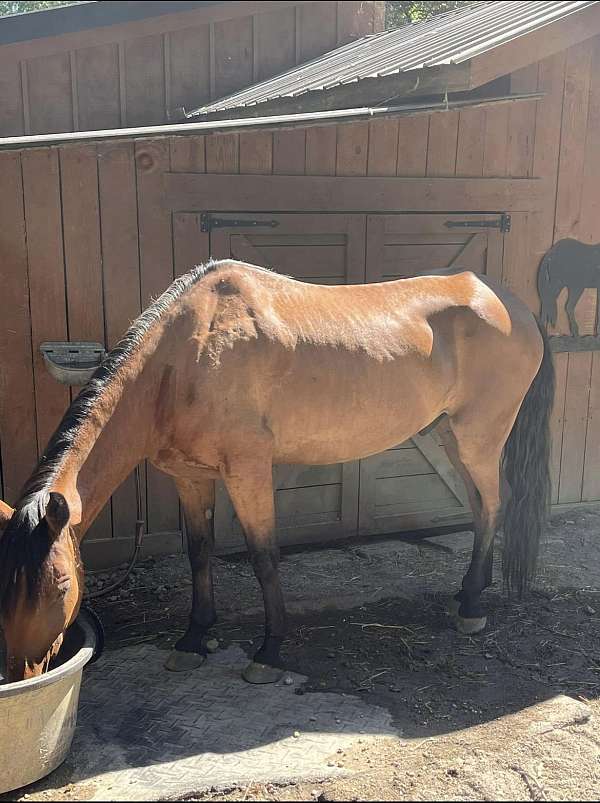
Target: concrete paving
point(146, 734)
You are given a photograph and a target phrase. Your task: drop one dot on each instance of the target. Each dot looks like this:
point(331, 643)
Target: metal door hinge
point(504, 223)
point(208, 223)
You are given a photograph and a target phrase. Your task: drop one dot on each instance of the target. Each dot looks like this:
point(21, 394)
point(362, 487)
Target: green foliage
point(399, 12)
point(15, 7)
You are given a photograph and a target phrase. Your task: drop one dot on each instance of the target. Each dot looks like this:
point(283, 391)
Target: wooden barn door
point(414, 486)
point(320, 502)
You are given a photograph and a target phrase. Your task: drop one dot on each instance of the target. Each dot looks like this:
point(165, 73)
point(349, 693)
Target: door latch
point(208, 222)
point(504, 223)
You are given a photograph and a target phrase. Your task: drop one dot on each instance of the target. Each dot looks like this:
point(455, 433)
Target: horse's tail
point(526, 465)
point(548, 292)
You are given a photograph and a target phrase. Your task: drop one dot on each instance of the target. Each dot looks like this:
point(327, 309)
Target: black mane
point(26, 542)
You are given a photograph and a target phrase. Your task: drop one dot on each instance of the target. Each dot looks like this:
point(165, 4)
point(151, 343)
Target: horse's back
point(383, 320)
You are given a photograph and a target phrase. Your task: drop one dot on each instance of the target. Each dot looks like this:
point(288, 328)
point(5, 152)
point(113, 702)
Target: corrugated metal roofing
point(450, 38)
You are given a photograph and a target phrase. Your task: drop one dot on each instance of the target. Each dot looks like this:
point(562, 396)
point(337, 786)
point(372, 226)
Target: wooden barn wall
point(133, 74)
point(86, 242)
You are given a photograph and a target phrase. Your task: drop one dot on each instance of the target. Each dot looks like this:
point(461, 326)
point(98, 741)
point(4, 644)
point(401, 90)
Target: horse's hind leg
point(572, 300)
point(478, 462)
point(198, 500)
point(250, 486)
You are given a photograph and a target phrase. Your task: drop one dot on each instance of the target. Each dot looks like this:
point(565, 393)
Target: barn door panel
point(312, 502)
point(414, 486)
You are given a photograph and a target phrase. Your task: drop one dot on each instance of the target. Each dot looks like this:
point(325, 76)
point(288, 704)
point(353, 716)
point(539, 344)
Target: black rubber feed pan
point(72, 363)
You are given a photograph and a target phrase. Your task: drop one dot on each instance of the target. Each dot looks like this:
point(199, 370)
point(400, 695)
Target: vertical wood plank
point(574, 167)
point(318, 29)
point(41, 186)
point(83, 264)
point(551, 79)
point(188, 154)
point(189, 56)
point(519, 274)
point(289, 152)
point(443, 140)
point(120, 258)
point(275, 42)
point(17, 396)
point(557, 422)
point(156, 269)
point(81, 230)
point(50, 99)
point(568, 212)
point(321, 151)
point(575, 427)
point(191, 246)
point(574, 126)
point(145, 80)
point(519, 271)
point(589, 231)
point(256, 152)
point(469, 152)
point(495, 146)
point(11, 101)
point(383, 148)
point(413, 136)
point(591, 469)
point(355, 19)
point(352, 149)
point(222, 153)
point(233, 55)
point(521, 124)
point(98, 87)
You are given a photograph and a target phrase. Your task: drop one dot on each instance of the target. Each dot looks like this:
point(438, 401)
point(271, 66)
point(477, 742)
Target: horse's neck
point(119, 447)
point(115, 439)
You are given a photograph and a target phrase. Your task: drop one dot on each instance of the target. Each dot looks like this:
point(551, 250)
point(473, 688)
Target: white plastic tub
point(38, 716)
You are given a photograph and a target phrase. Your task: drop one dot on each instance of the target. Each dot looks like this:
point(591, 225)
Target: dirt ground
point(370, 620)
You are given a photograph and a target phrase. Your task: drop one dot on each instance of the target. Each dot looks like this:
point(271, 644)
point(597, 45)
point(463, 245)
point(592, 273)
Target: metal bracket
point(208, 223)
point(503, 223)
point(72, 363)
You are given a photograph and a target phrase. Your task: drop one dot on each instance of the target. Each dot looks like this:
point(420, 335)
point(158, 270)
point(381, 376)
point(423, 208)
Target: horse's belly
point(341, 415)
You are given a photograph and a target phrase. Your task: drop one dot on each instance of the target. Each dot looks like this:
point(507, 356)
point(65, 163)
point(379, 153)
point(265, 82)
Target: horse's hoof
point(184, 661)
point(470, 627)
point(261, 674)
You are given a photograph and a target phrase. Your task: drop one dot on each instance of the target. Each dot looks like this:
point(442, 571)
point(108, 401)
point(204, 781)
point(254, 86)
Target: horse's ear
point(57, 512)
point(6, 513)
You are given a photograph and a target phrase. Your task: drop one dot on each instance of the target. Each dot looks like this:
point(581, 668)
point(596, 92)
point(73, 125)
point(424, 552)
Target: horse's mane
point(25, 544)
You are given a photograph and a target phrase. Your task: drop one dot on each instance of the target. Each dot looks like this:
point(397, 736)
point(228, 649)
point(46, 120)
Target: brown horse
point(235, 368)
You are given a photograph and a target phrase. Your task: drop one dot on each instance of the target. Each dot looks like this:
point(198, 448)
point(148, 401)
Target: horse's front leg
point(198, 500)
point(250, 486)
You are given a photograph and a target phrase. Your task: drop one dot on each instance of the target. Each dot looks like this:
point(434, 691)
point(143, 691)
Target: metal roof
point(451, 38)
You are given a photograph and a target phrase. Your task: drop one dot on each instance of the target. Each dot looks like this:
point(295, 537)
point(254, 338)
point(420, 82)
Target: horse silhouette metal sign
point(575, 266)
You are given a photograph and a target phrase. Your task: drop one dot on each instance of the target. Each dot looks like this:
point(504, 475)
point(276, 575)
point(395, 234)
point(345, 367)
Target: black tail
point(526, 467)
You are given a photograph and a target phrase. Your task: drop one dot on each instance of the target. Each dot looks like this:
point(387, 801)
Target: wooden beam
point(191, 192)
point(535, 46)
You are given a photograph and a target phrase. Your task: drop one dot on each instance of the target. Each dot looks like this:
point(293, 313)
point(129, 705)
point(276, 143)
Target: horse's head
point(41, 581)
